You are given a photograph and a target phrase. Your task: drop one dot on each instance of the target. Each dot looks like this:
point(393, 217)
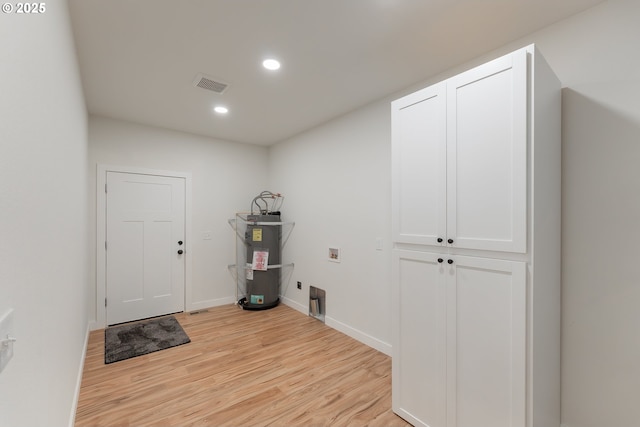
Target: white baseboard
point(76, 394)
point(372, 342)
point(201, 305)
point(93, 325)
point(195, 306)
point(329, 321)
point(364, 338)
point(295, 304)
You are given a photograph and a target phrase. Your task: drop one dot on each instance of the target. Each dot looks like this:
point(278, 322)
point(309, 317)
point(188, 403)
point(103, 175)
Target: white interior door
point(145, 256)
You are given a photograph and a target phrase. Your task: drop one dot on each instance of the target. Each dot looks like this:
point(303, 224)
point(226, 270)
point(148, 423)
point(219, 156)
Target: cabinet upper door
point(419, 166)
point(487, 156)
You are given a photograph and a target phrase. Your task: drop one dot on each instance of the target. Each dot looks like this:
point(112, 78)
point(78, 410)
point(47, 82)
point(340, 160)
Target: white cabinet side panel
point(545, 245)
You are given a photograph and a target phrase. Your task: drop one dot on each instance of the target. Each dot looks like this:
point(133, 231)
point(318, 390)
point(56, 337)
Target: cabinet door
point(419, 334)
point(486, 343)
point(487, 156)
point(419, 166)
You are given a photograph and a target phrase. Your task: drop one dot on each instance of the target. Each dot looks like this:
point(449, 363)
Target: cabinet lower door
point(486, 343)
point(419, 344)
point(459, 347)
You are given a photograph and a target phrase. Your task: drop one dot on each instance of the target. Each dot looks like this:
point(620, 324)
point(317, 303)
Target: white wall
point(225, 178)
point(43, 217)
point(596, 57)
point(336, 183)
point(336, 180)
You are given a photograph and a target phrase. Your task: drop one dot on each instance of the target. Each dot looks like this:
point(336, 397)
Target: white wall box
point(476, 259)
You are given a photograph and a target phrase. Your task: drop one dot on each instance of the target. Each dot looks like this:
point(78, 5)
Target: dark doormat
point(135, 339)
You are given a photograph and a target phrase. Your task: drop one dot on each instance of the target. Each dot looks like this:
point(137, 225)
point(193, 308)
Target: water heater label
point(257, 234)
point(260, 260)
point(257, 299)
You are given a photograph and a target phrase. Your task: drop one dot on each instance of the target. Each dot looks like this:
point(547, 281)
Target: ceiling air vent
point(207, 82)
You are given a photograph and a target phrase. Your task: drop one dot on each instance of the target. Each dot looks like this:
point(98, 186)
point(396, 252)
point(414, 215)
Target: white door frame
point(101, 227)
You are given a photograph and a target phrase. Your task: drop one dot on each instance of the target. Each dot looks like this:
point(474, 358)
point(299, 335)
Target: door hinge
point(105, 188)
point(105, 245)
point(105, 302)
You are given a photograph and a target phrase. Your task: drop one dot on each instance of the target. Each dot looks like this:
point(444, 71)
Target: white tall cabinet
point(476, 258)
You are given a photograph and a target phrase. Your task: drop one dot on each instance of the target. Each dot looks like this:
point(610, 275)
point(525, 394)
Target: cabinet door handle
point(440, 260)
point(450, 261)
point(439, 239)
point(450, 241)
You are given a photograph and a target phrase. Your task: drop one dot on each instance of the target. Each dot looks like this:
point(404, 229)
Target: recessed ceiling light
point(221, 110)
point(271, 64)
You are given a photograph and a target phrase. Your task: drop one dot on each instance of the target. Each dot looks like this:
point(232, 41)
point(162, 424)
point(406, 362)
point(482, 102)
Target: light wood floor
point(275, 367)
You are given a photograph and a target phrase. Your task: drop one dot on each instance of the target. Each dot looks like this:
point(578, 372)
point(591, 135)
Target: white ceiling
point(139, 58)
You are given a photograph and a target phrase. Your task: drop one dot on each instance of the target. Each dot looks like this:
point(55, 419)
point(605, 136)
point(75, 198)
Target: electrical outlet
point(378, 244)
point(299, 285)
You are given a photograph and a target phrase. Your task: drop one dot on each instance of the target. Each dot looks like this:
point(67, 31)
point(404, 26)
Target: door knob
point(450, 241)
point(450, 261)
point(439, 239)
point(440, 260)
point(180, 251)
point(180, 242)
